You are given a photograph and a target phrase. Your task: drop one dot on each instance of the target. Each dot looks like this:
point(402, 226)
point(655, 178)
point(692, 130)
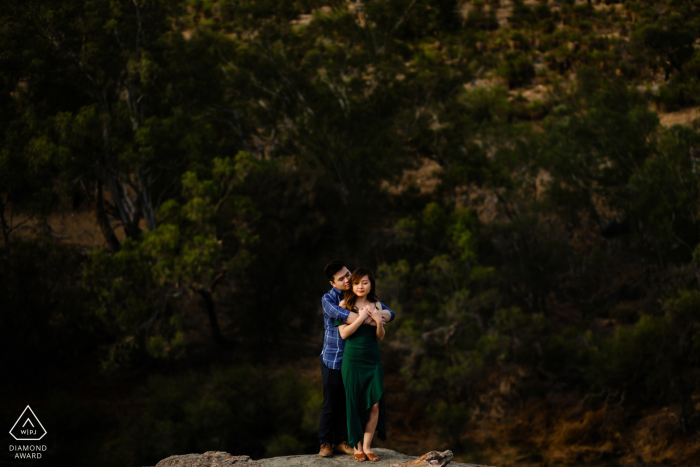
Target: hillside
point(521, 176)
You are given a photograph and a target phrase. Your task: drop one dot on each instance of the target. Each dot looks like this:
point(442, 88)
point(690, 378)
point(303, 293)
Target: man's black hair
point(333, 267)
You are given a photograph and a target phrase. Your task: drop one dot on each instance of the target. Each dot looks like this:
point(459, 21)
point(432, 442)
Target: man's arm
point(386, 313)
point(333, 310)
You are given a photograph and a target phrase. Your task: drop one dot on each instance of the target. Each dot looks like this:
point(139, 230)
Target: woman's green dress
point(363, 378)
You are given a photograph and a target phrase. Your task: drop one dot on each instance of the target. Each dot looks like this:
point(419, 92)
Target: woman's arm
point(347, 330)
point(377, 316)
point(353, 316)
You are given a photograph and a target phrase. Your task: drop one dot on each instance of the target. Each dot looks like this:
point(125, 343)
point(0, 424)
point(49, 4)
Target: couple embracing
point(353, 378)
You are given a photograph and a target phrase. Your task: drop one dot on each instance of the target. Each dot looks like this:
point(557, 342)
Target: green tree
point(198, 240)
point(98, 81)
point(671, 47)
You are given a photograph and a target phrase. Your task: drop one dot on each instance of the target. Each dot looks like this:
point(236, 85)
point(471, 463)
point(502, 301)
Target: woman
point(361, 369)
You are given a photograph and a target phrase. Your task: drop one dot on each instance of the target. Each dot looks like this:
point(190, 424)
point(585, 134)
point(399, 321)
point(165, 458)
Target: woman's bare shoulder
point(378, 304)
point(342, 304)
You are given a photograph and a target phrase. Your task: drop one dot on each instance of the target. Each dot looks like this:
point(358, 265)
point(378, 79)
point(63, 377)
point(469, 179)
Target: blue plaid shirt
point(333, 344)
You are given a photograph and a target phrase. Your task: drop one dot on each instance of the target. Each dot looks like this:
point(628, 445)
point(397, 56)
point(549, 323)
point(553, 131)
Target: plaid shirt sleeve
point(332, 310)
point(389, 310)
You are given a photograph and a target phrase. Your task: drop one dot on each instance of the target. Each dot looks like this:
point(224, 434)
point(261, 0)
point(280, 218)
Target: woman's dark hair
point(333, 267)
point(357, 275)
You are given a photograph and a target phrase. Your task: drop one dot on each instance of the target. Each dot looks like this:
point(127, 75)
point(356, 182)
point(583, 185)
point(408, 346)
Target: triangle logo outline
point(35, 418)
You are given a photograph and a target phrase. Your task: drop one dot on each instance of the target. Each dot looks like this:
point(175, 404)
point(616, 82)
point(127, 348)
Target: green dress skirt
point(363, 378)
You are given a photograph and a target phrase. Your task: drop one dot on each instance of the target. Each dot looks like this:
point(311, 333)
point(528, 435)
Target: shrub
point(449, 420)
point(656, 360)
point(517, 68)
point(482, 20)
point(236, 409)
point(678, 93)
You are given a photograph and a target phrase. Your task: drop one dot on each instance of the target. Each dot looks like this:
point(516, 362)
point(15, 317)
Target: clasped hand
point(369, 314)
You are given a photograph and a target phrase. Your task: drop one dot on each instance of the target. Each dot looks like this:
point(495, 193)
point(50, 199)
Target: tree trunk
point(213, 322)
point(5, 227)
point(103, 220)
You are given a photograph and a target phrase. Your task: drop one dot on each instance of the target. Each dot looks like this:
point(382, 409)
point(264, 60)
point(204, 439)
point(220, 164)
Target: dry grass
point(75, 227)
point(683, 117)
point(426, 178)
point(543, 434)
point(552, 429)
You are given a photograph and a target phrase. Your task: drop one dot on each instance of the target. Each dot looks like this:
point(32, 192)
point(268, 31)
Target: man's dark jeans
point(333, 428)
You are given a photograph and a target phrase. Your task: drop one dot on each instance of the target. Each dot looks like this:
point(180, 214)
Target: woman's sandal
point(360, 457)
point(372, 456)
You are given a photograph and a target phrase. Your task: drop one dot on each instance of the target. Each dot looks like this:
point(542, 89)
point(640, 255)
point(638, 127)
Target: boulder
point(388, 458)
point(208, 459)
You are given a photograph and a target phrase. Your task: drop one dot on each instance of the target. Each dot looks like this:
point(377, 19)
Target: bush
point(449, 420)
point(656, 360)
point(43, 310)
point(241, 410)
point(479, 19)
point(678, 93)
point(517, 68)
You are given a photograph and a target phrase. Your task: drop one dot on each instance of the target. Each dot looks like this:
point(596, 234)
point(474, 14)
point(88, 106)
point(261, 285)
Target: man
point(333, 430)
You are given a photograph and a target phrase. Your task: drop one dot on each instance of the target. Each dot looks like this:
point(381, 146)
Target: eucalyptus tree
point(115, 91)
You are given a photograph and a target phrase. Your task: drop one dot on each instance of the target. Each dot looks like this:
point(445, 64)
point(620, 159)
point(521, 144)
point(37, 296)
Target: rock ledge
point(387, 458)
point(224, 459)
point(208, 459)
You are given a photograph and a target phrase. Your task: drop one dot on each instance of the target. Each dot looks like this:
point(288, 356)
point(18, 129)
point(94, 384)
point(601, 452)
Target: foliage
point(238, 409)
point(225, 412)
point(185, 254)
point(43, 312)
point(226, 150)
point(517, 69)
point(656, 359)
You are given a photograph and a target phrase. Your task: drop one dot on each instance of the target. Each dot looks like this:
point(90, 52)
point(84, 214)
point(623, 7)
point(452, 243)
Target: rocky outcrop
point(208, 459)
point(388, 458)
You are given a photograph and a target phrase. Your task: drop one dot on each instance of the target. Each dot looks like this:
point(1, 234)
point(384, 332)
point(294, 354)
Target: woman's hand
point(368, 319)
point(363, 313)
point(376, 316)
point(347, 330)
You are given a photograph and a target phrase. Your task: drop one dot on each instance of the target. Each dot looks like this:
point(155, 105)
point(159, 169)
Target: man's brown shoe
point(344, 447)
point(325, 451)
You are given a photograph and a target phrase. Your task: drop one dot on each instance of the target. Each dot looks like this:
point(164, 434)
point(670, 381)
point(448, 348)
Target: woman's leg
point(370, 427)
